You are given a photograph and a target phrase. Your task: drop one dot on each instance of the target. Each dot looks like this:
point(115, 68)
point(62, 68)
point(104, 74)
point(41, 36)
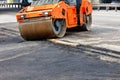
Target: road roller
point(45, 19)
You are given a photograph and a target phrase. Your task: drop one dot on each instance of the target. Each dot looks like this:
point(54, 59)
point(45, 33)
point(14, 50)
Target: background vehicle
point(50, 18)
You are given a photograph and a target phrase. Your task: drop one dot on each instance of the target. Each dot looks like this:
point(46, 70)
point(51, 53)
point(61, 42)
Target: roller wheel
point(88, 21)
point(59, 27)
point(42, 29)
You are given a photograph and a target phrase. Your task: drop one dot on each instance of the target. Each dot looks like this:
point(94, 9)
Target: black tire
point(86, 26)
point(59, 27)
point(88, 21)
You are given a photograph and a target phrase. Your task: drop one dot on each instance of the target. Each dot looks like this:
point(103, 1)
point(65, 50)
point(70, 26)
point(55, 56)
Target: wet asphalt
point(43, 60)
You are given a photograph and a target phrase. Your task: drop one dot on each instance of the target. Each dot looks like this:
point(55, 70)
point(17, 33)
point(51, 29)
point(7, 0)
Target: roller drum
point(40, 29)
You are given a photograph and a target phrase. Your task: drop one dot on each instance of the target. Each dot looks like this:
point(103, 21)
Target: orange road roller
point(45, 19)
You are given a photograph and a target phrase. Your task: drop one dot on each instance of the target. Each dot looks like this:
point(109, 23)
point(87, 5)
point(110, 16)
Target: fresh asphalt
point(43, 60)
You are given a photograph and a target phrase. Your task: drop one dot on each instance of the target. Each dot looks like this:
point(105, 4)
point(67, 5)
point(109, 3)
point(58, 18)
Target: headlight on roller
point(23, 16)
point(45, 13)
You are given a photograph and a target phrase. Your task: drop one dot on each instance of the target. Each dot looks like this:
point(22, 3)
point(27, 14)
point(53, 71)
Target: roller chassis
point(34, 25)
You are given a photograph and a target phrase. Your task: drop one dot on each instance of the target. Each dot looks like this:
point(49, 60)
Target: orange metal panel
point(43, 7)
point(71, 17)
point(86, 8)
point(57, 11)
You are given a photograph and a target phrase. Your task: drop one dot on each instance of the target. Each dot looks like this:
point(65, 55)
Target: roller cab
point(50, 18)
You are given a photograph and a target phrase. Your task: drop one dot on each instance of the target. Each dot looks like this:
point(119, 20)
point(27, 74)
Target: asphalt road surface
point(44, 60)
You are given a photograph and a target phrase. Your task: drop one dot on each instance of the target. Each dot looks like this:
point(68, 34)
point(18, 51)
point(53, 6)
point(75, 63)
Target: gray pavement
point(8, 15)
point(103, 35)
point(43, 60)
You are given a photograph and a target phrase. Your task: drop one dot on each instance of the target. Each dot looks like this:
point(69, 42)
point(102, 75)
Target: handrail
point(107, 6)
point(11, 5)
point(98, 6)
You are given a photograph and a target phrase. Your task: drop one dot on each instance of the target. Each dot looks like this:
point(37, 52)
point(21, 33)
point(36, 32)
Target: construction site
point(59, 40)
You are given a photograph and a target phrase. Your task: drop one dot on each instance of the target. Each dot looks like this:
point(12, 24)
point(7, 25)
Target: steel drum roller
point(42, 29)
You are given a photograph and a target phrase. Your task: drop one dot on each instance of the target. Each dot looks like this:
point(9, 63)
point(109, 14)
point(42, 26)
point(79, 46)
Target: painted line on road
point(63, 42)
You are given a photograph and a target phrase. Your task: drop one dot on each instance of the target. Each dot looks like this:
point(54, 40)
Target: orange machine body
point(59, 10)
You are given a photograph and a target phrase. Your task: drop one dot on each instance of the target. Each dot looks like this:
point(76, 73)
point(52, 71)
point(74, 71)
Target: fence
point(95, 6)
point(10, 5)
point(106, 6)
